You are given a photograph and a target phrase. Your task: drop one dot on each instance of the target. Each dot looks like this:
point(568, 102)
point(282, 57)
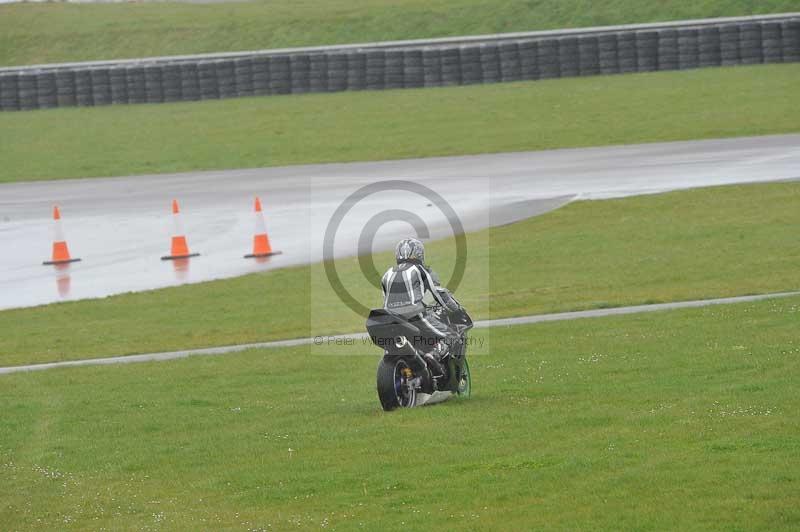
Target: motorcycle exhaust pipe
point(404, 347)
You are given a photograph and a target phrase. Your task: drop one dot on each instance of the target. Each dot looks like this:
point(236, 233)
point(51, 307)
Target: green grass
point(357, 126)
point(684, 420)
point(35, 34)
point(704, 243)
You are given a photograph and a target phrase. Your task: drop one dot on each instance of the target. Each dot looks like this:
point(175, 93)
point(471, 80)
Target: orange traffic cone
point(179, 249)
point(261, 245)
point(60, 249)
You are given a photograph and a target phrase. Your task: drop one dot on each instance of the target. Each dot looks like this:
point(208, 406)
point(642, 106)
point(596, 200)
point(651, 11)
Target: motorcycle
point(405, 379)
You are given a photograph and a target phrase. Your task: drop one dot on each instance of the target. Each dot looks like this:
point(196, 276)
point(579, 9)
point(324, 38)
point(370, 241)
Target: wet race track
point(121, 227)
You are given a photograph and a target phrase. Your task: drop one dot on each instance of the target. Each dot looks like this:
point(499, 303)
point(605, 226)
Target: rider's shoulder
point(420, 268)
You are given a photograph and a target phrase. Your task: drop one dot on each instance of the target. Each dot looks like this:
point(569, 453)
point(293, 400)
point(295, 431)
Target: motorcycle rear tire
point(390, 397)
point(465, 382)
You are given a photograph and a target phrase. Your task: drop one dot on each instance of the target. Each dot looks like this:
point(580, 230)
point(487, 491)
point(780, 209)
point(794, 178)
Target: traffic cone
point(261, 245)
point(60, 249)
point(179, 249)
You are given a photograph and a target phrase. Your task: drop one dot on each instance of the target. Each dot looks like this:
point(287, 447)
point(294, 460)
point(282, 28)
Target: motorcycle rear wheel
point(393, 389)
point(465, 382)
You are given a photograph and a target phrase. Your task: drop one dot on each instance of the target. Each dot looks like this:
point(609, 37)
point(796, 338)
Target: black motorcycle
point(405, 378)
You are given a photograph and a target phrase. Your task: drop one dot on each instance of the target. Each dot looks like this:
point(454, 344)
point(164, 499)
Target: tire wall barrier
point(749, 42)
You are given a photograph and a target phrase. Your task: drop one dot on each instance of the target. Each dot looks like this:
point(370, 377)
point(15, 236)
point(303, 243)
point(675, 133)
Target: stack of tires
point(83, 88)
point(117, 79)
point(243, 76)
point(568, 57)
point(65, 88)
point(413, 70)
point(260, 75)
point(226, 78)
point(394, 70)
point(280, 79)
point(451, 66)
point(337, 72)
point(729, 44)
point(431, 67)
point(626, 52)
point(771, 49)
point(356, 71)
point(46, 95)
point(510, 65)
point(646, 51)
point(607, 52)
point(9, 92)
point(790, 40)
point(318, 73)
point(750, 44)
point(668, 55)
point(490, 63)
point(470, 59)
point(588, 55)
point(708, 47)
point(688, 52)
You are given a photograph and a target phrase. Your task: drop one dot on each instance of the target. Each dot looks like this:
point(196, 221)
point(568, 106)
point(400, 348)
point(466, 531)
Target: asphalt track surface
point(120, 227)
point(327, 340)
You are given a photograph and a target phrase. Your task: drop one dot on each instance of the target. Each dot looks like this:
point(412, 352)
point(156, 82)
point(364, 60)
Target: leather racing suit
point(404, 289)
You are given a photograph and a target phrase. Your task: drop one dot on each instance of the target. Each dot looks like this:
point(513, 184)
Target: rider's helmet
point(410, 250)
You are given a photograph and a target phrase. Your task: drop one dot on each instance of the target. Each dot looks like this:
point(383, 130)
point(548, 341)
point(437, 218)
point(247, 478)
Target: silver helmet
point(410, 249)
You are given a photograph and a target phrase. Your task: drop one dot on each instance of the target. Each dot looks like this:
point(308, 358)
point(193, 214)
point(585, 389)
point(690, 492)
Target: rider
point(404, 288)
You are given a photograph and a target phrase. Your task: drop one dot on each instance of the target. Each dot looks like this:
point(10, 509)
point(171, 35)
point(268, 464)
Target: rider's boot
point(437, 370)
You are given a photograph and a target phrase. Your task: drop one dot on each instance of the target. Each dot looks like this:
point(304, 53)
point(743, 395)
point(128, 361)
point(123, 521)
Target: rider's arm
point(442, 295)
point(383, 283)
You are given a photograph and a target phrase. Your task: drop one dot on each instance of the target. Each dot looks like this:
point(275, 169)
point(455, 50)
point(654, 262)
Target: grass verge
point(675, 420)
point(358, 126)
point(704, 243)
point(35, 34)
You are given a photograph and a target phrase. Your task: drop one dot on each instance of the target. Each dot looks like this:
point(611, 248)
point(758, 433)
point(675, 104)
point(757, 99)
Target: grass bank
point(361, 126)
point(678, 420)
point(35, 34)
point(704, 243)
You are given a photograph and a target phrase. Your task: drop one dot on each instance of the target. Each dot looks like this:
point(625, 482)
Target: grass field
point(704, 243)
point(35, 34)
point(683, 420)
point(357, 126)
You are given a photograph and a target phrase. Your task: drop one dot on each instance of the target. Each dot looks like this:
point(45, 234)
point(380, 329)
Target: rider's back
point(404, 288)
